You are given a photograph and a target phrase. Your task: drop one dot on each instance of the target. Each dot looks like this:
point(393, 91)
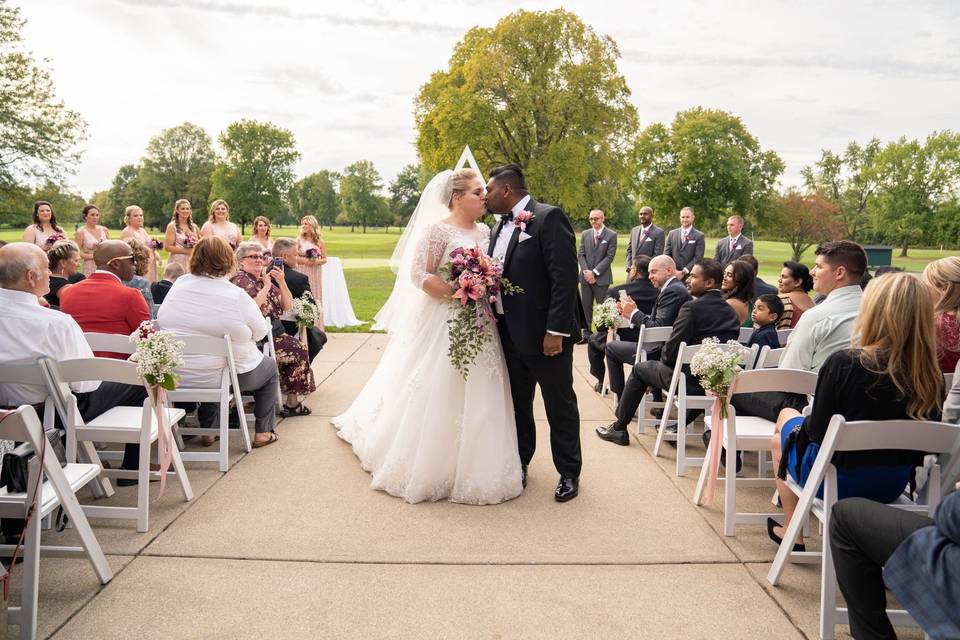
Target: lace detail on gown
point(417, 427)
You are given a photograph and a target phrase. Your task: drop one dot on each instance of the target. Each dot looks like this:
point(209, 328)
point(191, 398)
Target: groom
point(538, 327)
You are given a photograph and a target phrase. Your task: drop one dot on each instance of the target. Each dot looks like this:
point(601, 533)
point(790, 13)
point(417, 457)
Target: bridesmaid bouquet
point(606, 315)
point(156, 245)
point(477, 280)
point(54, 239)
point(313, 254)
point(189, 242)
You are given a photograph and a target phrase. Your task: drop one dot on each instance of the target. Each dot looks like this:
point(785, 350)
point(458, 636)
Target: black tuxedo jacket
point(297, 282)
point(544, 264)
point(159, 290)
point(665, 309)
point(709, 316)
point(644, 294)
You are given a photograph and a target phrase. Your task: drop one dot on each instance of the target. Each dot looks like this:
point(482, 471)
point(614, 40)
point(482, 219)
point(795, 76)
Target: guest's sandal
point(262, 443)
point(292, 412)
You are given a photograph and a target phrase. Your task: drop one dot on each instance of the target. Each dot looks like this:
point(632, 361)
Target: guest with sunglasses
point(103, 304)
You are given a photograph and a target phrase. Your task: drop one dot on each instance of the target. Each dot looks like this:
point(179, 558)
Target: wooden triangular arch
point(467, 158)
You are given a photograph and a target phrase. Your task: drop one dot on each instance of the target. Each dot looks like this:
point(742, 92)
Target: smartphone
point(278, 263)
point(623, 295)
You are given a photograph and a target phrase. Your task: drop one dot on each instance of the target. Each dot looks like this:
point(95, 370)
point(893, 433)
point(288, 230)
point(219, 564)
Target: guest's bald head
point(24, 267)
point(115, 256)
point(661, 269)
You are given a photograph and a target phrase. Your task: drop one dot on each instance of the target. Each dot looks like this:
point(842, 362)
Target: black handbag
point(14, 468)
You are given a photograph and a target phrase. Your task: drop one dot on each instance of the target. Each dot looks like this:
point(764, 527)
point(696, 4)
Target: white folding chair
point(910, 435)
point(677, 398)
point(768, 358)
point(745, 333)
point(119, 425)
point(48, 486)
point(222, 394)
point(783, 335)
point(750, 433)
point(650, 339)
point(32, 374)
point(113, 342)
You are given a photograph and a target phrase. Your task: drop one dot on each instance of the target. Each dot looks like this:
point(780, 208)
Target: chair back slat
point(911, 435)
point(783, 335)
point(688, 351)
point(112, 342)
point(22, 373)
point(745, 333)
point(203, 345)
point(88, 369)
point(785, 380)
point(650, 336)
point(19, 427)
point(947, 381)
point(768, 358)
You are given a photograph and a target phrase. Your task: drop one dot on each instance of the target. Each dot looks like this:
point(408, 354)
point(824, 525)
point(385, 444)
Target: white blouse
point(199, 305)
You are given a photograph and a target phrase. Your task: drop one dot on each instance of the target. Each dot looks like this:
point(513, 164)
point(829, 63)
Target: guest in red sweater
point(103, 304)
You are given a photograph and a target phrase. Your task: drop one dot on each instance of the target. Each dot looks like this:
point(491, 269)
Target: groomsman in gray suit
point(685, 245)
point(735, 245)
point(646, 239)
point(598, 246)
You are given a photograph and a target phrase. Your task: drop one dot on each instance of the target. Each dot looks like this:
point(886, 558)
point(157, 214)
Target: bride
point(421, 430)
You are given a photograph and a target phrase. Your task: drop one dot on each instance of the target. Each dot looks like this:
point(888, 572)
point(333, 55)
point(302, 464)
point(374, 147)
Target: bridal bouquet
point(606, 315)
point(305, 311)
point(477, 280)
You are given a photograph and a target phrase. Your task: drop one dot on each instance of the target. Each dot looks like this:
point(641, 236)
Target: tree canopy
point(540, 89)
point(360, 193)
point(316, 195)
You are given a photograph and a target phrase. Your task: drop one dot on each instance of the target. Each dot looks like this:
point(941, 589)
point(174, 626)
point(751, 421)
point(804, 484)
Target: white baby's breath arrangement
point(306, 312)
point(606, 315)
point(716, 366)
point(158, 354)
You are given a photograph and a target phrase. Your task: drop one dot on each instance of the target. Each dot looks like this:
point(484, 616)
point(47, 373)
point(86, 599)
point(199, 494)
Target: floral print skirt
point(293, 362)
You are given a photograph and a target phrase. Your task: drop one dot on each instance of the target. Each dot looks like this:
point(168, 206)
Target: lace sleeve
point(428, 255)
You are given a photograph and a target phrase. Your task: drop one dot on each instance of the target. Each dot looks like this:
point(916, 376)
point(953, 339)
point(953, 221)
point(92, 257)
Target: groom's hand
point(552, 345)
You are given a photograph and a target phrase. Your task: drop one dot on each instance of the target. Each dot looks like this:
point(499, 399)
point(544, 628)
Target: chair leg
point(667, 408)
point(681, 443)
point(701, 481)
point(828, 572)
point(78, 520)
point(143, 490)
point(729, 491)
point(31, 579)
point(181, 475)
point(244, 431)
point(101, 486)
point(225, 432)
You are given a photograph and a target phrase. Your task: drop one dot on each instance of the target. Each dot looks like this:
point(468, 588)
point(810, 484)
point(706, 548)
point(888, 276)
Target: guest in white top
point(205, 302)
point(29, 331)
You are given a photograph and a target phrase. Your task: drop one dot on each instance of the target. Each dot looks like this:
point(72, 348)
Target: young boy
point(767, 310)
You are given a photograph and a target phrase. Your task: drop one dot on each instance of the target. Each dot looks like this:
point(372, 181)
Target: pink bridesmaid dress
point(90, 243)
point(144, 237)
point(311, 271)
point(183, 259)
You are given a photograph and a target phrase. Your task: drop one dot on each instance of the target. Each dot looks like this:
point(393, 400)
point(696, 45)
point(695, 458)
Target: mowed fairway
point(366, 261)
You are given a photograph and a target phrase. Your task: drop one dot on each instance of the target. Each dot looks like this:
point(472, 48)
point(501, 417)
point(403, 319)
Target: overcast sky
point(342, 76)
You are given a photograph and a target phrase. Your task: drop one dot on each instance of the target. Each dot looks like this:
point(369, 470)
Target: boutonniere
point(522, 219)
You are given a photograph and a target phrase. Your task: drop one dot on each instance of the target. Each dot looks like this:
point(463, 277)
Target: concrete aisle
point(292, 543)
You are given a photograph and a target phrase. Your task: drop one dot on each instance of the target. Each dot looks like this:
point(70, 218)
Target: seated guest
point(299, 284)
point(708, 316)
point(159, 289)
point(643, 293)
point(878, 547)
point(141, 265)
point(673, 293)
point(794, 285)
point(29, 331)
point(205, 303)
point(943, 278)
point(822, 330)
point(737, 290)
point(760, 287)
point(269, 290)
point(766, 311)
point(64, 260)
point(101, 304)
point(891, 374)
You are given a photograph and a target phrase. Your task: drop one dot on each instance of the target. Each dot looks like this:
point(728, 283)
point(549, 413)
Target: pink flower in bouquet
point(522, 219)
point(55, 238)
point(470, 289)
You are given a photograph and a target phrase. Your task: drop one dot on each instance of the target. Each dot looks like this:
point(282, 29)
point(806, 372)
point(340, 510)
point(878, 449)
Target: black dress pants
point(864, 534)
point(554, 374)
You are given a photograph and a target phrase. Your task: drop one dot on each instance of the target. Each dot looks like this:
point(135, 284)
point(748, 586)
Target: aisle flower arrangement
point(606, 315)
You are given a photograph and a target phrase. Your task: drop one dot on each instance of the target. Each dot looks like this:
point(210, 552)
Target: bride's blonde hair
point(459, 183)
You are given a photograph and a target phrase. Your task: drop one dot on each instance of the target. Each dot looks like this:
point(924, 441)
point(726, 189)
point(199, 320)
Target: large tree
point(256, 170)
point(38, 134)
point(540, 89)
point(360, 189)
point(178, 164)
point(707, 160)
point(316, 195)
point(850, 181)
point(405, 193)
point(803, 221)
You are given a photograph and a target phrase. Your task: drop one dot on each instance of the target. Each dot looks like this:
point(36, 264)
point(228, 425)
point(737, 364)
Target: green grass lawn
point(370, 280)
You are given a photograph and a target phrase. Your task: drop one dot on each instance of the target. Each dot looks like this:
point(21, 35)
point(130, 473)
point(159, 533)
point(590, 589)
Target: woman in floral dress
point(269, 290)
point(182, 234)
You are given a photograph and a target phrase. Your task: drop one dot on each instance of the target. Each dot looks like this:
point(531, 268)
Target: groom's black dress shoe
point(616, 436)
point(567, 489)
point(523, 475)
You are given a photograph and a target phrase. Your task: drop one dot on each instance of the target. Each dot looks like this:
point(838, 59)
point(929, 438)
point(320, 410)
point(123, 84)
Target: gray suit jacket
point(724, 256)
point(598, 257)
point(651, 244)
point(685, 255)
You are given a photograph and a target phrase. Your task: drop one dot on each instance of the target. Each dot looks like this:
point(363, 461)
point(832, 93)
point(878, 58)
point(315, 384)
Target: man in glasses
point(103, 304)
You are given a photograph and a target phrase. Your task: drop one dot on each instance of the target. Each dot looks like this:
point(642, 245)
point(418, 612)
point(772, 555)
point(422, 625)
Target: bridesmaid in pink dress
point(218, 224)
point(44, 232)
point(133, 217)
point(313, 253)
point(261, 235)
point(89, 236)
point(182, 234)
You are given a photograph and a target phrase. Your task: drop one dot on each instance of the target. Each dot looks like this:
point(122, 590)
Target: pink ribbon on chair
point(718, 424)
point(164, 433)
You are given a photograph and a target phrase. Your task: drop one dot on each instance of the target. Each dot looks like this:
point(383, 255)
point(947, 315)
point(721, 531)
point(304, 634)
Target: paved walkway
point(292, 543)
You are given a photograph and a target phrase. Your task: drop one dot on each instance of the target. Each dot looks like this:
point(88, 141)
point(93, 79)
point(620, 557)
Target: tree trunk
point(903, 249)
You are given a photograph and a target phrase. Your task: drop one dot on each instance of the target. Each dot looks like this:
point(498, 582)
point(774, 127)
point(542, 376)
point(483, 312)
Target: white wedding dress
point(421, 430)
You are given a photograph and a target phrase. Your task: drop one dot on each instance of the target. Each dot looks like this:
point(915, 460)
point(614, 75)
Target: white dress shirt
point(506, 232)
point(672, 278)
point(822, 329)
point(198, 305)
point(597, 234)
point(29, 331)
